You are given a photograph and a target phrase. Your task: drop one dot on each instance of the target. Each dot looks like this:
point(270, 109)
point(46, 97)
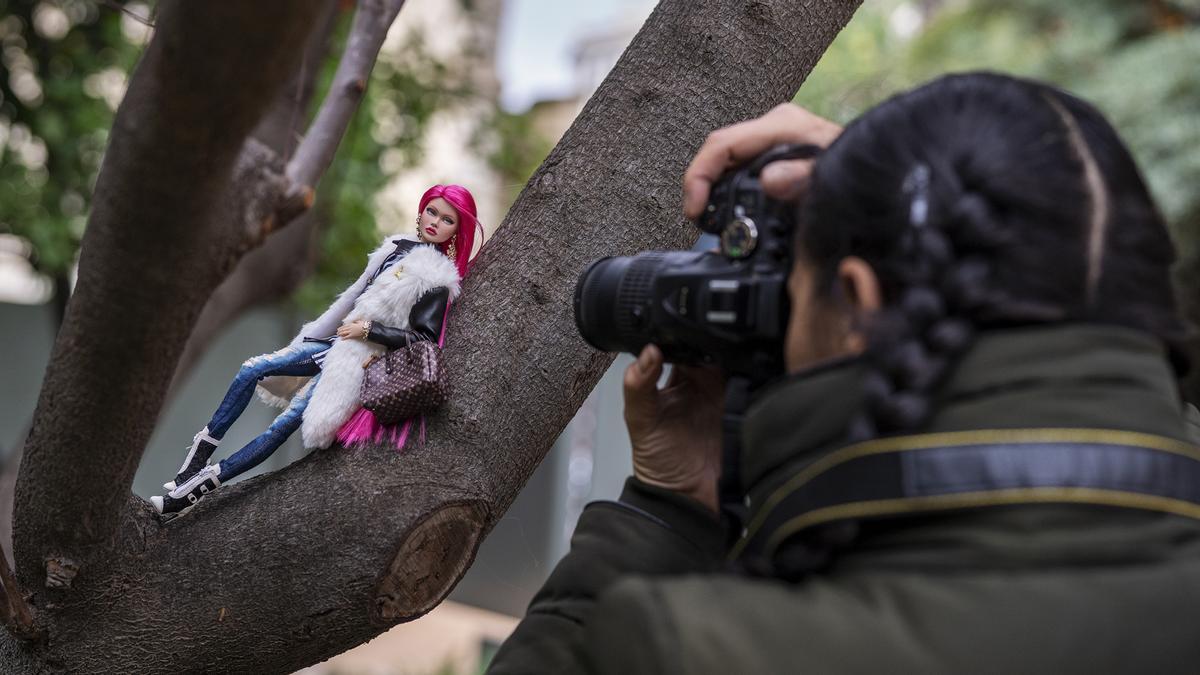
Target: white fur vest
point(388, 300)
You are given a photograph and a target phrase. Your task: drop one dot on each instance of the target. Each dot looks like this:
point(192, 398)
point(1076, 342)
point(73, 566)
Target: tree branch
point(372, 19)
point(14, 611)
point(151, 255)
point(287, 256)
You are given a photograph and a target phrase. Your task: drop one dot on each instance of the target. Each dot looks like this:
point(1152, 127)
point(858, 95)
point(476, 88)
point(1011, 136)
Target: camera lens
point(614, 300)
point(596, 300)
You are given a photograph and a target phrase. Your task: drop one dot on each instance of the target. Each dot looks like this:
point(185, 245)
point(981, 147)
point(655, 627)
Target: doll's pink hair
point(464, 239)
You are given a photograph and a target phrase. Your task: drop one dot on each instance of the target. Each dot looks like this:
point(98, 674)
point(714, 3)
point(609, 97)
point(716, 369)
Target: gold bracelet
point(366, 330)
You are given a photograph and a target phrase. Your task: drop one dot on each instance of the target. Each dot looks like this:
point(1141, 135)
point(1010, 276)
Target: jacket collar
point(1079, 376)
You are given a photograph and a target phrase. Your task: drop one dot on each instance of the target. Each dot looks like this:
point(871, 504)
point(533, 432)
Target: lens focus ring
point(632, 295)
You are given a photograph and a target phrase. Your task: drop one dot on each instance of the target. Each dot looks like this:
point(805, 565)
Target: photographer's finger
point(732, 145)
point(787, 179)
point(723, 149)
point(641, 386)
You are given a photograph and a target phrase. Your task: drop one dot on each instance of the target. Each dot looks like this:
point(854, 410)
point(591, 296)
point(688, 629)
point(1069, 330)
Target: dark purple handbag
point(404, 383)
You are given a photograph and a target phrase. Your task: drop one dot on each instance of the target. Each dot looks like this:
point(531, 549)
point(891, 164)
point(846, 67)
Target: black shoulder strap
point(951, 471)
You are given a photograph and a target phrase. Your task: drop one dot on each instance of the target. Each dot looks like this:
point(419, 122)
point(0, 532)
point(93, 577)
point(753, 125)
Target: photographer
point(978, 461)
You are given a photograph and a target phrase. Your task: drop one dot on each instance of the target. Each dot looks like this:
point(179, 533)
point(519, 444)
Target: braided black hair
point(982, 200)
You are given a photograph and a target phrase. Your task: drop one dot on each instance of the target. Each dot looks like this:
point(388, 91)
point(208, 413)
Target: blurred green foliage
point(64, 72)
point(1137, 61)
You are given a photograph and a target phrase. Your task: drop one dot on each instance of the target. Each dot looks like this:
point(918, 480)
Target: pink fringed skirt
point(362, 429)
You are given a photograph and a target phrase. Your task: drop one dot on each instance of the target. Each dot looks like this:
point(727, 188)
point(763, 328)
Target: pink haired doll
point(402, 296)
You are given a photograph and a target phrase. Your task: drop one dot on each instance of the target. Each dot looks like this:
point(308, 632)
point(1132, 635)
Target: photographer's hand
point(733, 145)
point(675, 431)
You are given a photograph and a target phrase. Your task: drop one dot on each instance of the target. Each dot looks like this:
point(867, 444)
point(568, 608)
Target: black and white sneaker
point(202, 447)
point(184, 497)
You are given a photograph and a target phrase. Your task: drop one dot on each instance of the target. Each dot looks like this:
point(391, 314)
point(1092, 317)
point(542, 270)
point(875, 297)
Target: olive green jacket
point(1054, 588)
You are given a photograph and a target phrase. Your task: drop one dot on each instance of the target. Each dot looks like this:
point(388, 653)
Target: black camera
point(728, 308)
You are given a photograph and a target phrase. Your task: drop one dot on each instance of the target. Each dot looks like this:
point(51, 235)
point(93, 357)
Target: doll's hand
point(355, 330)
point(675, 431)
point(729, 146)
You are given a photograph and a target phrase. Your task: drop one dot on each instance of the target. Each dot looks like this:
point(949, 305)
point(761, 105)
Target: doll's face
point(438, 222)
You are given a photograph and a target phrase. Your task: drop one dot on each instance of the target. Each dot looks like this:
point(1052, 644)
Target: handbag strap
point(408, 341)
point(445, 318)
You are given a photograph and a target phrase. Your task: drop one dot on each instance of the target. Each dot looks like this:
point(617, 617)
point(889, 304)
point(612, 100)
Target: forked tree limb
point(280, 249)
point(284, 570)
point(151, 255)
point(258, 199)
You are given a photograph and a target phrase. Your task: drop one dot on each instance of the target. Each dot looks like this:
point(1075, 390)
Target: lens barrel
point(596, 302)
point(615, 303)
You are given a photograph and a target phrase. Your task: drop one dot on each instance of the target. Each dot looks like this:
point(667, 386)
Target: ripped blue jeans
point(296, 360)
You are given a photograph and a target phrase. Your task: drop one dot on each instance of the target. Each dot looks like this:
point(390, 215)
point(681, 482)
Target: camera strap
point(729, 488)
point(928, 473)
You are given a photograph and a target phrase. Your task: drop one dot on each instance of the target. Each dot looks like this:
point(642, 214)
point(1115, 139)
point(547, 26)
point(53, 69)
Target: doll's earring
point(450, 251)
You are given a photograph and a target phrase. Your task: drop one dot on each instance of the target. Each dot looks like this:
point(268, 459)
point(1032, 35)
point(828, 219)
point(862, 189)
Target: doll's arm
point(425, 322)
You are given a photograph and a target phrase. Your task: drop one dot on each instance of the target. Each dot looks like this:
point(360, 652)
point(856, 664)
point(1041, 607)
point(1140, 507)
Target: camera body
point(729, 308)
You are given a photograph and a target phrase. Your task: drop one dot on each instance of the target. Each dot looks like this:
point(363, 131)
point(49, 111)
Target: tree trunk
point(287, 569)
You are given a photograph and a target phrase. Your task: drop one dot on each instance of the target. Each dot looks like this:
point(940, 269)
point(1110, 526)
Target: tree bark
point(287, 569)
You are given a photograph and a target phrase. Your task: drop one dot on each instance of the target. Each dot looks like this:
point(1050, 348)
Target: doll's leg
point(296, 360)
point(287, 361)
point(268, 441)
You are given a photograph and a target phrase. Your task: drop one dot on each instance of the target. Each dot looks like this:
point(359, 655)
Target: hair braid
point(942, 281)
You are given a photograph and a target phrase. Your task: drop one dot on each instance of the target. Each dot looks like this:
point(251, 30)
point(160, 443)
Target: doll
point(402, 296)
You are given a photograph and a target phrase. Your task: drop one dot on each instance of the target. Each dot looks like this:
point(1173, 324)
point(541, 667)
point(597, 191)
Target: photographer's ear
point(861, 293)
